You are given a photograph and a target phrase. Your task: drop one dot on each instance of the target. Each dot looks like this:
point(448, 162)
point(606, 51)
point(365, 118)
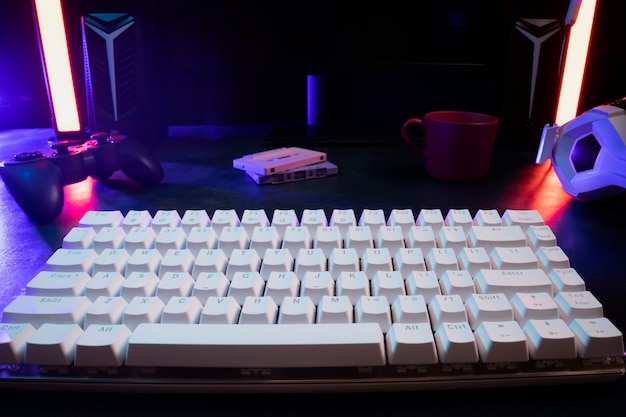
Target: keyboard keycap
point(317, 285)
point(375, 260)
point(353, 285)
point(440, 260)
point(409, 309)
point(446, 308)
point(578, 304)
point(521, 257)
point(38, 310)
point(489, 237)
point(233, 238)
point(175, 284)
point(343, 260)
point(390, 237)
point(511, 282)
point(109, 238)
point(342, 219)
point(102, 346)
point(262, 239)
point(312, 218)
point(281, 218)
point(165, 218)
point(423, 283)
point(538, 236)
point(224, 217)
point(566, 279)
point(456, 343)
point(373, 310)
point(296, 310)
point(405, 218)
point(597, 338)
point(282, 284)
point(53, 344)
point(431, 217)
point(171, 238)
point(194, 218)
point(59, 284)
point(72, 260)
point(411, 344)
point(199, 238)
point(111, 260)
point(372, 218)
point(296, 238)
point(140, 238)
point(243, 260)
point(143, 310)
point(139, 284)
point(256, 345)
point(457, 282)
point(258, 310)
point(209, 284)
point(13, 337)
point(252, 218)
point(501, 342)
point(244, 284)
point(534, 306)
point(105, 310)
point(335, 309)
point(523, 218)
point(460, 218)
point(182, 310)
point(327, 238)
point(220, 310)
point(79, 238)
point(487, 217)
point(488, 307)
point(136, 218)
point(98, 219)
point(551, 257)
point(550, 339)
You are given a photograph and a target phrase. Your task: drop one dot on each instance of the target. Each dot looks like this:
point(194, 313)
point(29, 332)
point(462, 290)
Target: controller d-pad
point(27, 156)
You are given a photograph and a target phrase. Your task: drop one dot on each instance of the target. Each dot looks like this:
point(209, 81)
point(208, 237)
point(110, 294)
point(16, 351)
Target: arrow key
point(550, 339)
point(597, 338)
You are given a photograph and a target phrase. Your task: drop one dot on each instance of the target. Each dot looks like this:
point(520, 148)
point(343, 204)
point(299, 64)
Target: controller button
point(28, 156)
point(62, 146)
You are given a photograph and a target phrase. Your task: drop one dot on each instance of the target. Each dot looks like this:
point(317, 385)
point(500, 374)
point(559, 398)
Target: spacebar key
point(256, 345)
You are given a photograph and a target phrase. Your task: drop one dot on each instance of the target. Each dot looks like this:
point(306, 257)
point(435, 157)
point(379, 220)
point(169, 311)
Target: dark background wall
point(197, 97)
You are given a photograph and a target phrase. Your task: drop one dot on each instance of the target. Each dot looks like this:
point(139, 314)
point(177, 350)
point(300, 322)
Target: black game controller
point(36, 180)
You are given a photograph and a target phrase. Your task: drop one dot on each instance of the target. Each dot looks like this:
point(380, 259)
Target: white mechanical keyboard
point(254, 301)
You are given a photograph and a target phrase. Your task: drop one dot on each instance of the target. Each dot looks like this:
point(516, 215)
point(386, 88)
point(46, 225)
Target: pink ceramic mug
point(457, 144)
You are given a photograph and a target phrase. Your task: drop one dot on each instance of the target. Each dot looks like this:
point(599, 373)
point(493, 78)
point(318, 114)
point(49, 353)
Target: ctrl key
point(13, 337)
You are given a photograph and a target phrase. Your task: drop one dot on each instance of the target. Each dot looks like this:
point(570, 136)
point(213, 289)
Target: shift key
point(38, 310)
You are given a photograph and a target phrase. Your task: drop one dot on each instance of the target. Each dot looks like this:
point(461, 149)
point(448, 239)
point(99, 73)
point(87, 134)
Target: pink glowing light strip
point(575, 61)
point(57, 65)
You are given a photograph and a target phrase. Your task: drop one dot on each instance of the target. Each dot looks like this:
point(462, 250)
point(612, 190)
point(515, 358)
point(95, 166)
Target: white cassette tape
point(278, 160)
point(309, 172)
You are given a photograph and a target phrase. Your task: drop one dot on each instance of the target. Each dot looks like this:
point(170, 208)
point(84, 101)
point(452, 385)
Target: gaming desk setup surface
point(198, 168)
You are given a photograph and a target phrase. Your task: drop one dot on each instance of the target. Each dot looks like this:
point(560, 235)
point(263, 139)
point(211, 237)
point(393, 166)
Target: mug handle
point(405, 136)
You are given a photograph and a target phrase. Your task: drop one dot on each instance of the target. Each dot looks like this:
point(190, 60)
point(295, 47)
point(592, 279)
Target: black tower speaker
point(121, 81)
point(531, 89)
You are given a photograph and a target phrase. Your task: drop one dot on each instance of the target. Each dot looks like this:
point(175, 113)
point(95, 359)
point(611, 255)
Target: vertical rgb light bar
point(575, 61)
point(57, 68)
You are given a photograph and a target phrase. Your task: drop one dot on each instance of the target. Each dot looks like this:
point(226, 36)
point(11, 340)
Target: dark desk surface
point(199, 174)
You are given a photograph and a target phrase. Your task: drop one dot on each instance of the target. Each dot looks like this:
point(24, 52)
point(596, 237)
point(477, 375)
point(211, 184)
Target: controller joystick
point(36, 180)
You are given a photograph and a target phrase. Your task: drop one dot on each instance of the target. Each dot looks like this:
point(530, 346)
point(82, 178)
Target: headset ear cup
point(589, 156)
